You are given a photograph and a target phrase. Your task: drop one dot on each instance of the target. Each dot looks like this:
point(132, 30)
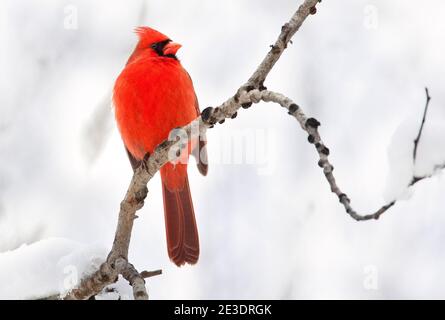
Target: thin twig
point(417, 140)
point(149, 274)
point(287, 32)
point(311, 127)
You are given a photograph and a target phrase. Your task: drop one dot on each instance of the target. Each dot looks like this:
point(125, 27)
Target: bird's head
point(154, 43)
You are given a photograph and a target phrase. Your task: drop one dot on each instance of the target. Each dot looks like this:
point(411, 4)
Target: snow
point(120, 290)
point(430, 155)
point(47, 267)
point(431, 150)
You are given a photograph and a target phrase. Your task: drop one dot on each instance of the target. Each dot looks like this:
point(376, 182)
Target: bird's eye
point(154, 46)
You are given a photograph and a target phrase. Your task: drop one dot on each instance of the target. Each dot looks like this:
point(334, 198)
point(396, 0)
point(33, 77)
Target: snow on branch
point(437, 167)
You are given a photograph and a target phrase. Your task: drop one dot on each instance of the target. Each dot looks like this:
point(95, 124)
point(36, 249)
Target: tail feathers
point(180, 223)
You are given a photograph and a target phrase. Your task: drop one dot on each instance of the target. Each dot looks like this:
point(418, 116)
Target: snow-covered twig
point(438, 167)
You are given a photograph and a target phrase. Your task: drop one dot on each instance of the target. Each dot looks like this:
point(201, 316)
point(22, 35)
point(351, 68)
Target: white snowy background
point(269, 226)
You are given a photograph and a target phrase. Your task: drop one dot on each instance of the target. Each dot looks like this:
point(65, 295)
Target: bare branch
point(251, 92)
point(311, 127)
point(149, 274)
point(287, 32)
point(137, 281)
point(416, 141)
point(117, 260)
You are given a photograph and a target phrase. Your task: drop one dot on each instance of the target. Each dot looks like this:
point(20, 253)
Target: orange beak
point(171, 48)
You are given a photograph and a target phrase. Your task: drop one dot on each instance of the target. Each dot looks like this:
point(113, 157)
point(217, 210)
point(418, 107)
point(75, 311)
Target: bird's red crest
point(148, 35)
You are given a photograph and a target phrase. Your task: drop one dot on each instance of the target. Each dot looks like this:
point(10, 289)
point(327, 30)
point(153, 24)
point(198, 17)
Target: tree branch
point(287, 32)
point(117, 260)
point(251, 92)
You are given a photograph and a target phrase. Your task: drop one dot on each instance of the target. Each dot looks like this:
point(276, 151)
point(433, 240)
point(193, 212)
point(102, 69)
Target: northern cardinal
point(152, 95)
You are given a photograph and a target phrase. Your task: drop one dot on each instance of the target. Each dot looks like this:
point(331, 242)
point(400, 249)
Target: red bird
point(153, 95)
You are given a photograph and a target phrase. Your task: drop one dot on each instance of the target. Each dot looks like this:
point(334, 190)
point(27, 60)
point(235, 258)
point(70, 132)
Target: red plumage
point(152, 95)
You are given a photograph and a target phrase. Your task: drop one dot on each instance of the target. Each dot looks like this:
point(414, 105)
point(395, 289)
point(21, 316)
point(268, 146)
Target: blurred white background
point(269, 228)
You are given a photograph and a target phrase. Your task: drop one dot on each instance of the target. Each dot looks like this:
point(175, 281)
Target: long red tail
point(180, 223)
